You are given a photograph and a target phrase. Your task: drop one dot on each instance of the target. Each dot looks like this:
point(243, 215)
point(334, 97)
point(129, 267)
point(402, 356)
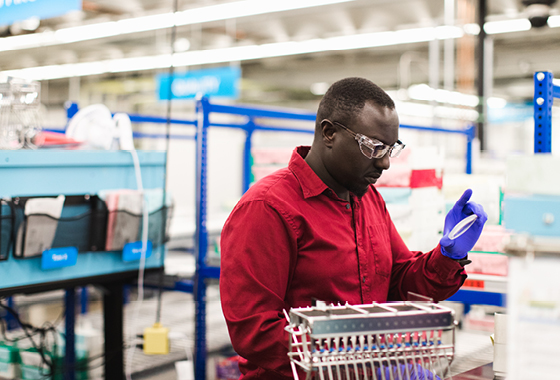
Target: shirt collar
point(311, 184)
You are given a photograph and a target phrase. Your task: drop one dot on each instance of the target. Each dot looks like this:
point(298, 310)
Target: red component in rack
point(476, 284)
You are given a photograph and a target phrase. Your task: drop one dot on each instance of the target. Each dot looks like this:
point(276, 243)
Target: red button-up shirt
point(291, 239)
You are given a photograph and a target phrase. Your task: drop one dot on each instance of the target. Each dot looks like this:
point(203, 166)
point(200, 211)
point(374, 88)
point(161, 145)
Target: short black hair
point(347, 97)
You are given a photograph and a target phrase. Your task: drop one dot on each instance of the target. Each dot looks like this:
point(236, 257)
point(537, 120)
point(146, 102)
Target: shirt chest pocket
point(380, 249)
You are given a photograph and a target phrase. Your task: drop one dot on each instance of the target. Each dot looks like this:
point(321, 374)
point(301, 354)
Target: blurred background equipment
point(19, 113)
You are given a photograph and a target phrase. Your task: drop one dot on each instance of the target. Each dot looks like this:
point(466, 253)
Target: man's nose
point(383, 163)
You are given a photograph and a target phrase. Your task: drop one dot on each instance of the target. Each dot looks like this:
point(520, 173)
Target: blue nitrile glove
point(406, 371)
point(459, 248)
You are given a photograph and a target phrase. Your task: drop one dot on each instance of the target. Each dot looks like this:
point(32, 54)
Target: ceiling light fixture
point(245, 8)
point(495, 102)
point(429, 111)
point(86, 32)
point(471, 29)
point(554, 21)
point(237, 53)
point(507, 26)
point(31, 24)
point(425, 92)
point(319, 88)
point(200, 15)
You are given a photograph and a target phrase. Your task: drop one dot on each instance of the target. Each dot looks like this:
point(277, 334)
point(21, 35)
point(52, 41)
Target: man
point(318, 229)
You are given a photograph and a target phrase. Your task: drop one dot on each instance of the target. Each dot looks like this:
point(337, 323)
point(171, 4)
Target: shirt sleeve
point(429, 274)
point(258, 252)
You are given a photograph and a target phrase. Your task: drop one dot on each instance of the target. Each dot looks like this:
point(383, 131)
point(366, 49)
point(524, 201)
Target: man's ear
point(328, 132)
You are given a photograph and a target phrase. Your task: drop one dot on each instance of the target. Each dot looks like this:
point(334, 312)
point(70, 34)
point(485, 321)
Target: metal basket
point(389, 341)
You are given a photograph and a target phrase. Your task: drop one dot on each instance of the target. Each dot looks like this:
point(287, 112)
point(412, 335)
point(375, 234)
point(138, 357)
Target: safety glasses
point(372, 148)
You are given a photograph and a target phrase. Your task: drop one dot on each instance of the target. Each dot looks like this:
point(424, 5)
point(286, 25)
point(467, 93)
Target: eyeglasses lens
point(396, 150)
point(378, 151)
point(366, 150)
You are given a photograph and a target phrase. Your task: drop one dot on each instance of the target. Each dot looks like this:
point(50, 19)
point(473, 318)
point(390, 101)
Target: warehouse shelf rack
point(77, 174)
point(545, 92)
point(202, 123)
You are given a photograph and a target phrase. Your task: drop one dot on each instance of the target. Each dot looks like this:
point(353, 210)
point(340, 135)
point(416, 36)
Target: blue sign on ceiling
point(17, 10)
point(221, 82)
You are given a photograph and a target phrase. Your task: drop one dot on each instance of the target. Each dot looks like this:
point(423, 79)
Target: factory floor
point(178, 311)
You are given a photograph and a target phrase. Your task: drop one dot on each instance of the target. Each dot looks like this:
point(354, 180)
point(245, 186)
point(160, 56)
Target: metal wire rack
point(389, 341)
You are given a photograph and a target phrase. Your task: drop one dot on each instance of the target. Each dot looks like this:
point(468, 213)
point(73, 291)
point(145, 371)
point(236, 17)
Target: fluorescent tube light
point(319, 88)
point(407, 36)
point(244, 9)
point(26, 41)
point(494, 102)
point(200, 15)
point(413, 35)
point(472, 29)
point(425, 92)
point(507, 26)
point(429, 111)
point(447, 31)
point(554, 21)
point(456, 113)
point(240, 9)
point(86, 32)
point(231, 54)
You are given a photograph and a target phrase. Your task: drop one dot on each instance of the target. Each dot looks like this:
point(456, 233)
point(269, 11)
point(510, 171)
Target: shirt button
point(364, 279)
point(347, 206)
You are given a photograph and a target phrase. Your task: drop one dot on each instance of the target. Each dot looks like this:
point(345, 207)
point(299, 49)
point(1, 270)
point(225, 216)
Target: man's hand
point(459, 248)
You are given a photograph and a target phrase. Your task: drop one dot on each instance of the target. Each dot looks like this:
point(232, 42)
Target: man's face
point(346, 164)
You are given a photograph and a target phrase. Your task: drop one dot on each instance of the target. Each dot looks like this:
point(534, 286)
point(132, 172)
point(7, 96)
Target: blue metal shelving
point(545, 92)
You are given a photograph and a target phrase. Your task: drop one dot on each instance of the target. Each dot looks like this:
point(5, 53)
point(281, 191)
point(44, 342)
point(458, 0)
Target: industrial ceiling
point(513, 56)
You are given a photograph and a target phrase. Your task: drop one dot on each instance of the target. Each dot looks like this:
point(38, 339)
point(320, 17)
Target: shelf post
point(201, 237)
point(542, 102)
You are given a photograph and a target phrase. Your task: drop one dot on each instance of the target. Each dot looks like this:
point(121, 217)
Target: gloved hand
point(405, 371)
point(460, 247)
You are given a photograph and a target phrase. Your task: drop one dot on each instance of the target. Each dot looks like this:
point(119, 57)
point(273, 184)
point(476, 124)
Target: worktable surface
point(484, 372)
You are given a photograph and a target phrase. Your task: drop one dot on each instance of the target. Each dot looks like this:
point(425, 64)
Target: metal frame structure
point(545, 92)
point(404, 340)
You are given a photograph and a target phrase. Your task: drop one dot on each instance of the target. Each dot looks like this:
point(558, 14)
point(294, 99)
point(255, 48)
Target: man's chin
point(360, 192)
